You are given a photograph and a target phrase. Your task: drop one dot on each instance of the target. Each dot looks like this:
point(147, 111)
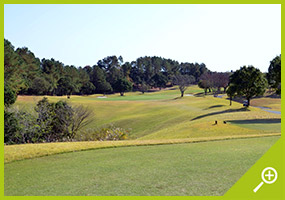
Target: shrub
point(61, 122)
point(82, 116)
point(11, 127)
point(29, 130)
point(106, 133)
point(55, 120)
point(52, 122)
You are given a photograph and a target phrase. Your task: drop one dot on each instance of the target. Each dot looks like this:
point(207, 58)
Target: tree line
point(28, 75)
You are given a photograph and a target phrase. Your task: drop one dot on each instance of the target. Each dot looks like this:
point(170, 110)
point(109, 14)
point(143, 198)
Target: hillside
point(164, 115)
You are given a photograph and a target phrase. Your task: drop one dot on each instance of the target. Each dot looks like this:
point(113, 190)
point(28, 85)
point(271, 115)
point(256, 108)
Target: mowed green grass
point(206, 168)
point(164, 115)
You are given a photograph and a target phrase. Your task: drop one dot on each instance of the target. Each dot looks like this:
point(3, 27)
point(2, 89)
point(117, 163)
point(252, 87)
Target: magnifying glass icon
point(268, 175)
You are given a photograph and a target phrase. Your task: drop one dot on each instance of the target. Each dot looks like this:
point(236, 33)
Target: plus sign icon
point(268, 175)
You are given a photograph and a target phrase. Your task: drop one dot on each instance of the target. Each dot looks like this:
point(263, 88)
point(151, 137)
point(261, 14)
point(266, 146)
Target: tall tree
point(195, 70)
point(137, 73)
point(112, 68)
point(122, 86)
point(99, 80)
point(224, 79)
point(219, 80)
point(84, 84)
point(66, 86)
point(206, 82)
point(126, 68)
point(87, 88)
point(53, 71)
point(248, 82)
point(13, 69)
point(39, 86)
point(159, 80)
point(231, 92)
point(274, 74)
point(30, 68)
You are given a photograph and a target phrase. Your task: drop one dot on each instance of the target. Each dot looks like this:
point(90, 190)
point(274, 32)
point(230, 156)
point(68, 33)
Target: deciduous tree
point(183, 81)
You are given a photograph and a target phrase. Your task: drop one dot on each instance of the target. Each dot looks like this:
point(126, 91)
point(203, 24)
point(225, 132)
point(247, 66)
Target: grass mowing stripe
point(28, 151)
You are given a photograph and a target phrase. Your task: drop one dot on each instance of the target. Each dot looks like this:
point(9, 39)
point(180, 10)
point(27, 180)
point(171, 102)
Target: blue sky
point(224, 37)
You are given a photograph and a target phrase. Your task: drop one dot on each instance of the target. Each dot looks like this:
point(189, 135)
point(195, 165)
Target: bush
point(11, 127)
point(107, 133)
point(82, 116)
point(54, 120)
point(29, 130)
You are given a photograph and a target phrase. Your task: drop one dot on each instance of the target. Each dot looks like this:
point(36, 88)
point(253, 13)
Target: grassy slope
point(208, 168)
point(163, 115)
point(273, 103)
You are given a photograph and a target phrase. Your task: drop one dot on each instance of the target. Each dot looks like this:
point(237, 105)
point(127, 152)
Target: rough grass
point(27, 151)
point(272, 103)
point(164, 115)
point(208, 168)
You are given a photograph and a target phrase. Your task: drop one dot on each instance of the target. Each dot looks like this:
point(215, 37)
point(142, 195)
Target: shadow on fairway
point(176, 98)
point(216, 106)
point(201, 94)
point(256, 121)
point(221, 112)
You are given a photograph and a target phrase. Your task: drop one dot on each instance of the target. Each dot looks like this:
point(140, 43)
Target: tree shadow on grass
point(176, 98)
point(216, 106)
point(256, 121)
point(221, 112)
point(201, 94)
